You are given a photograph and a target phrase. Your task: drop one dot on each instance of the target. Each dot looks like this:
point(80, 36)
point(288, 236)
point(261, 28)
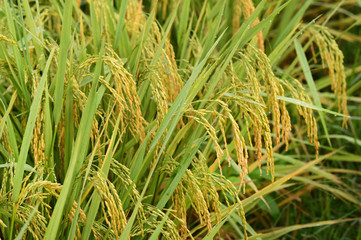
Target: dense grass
point(180, 119)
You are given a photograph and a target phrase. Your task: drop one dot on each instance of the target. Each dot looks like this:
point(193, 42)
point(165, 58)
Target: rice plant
point(133, 119)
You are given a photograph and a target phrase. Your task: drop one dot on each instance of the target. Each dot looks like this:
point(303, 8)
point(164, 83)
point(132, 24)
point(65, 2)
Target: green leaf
point(63, 55)
point(281, 232)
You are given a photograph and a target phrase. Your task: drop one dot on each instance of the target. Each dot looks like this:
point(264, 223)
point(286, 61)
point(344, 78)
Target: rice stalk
point(246, 8)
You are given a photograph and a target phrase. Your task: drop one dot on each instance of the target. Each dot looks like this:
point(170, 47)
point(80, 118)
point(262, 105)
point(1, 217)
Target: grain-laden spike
point(254, 113)
point(252, 79)
point(123, 89)
point(100, 230)
point(237, 12)
point(201, 187)
point(169, 231)
point(34, 189)
point(227, 188)
point(247, 8)
point(37, 138)
point(256, 118)
point(259, 128)
point(248, 110)
point(37, 225)
point(222, 126)
point(198, 202)
point(255, 60)
point(296, 90)
point(285, 120)
point(204, 177)
point(82, 219)
point(274, 89)
point(167, 166)
point(123, 174)
point(198, 116)
point(241, 150)
point(8, 40)
point(159, 93)
point(112, 206)
point(332, 56)
point(180, 207)
point(164, 79)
